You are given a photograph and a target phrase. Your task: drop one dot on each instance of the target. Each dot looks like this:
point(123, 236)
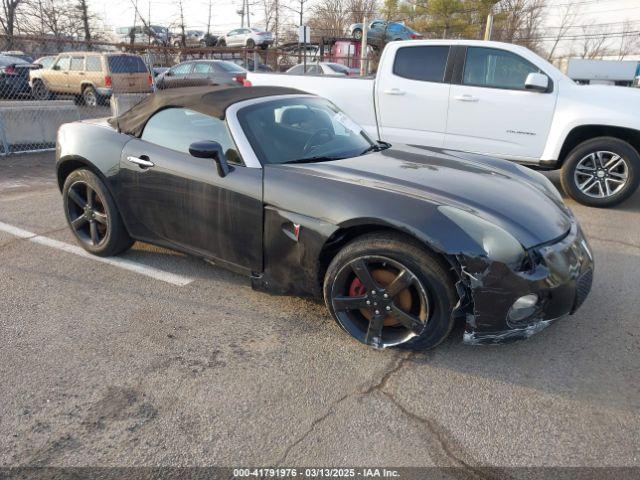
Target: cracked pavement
point(104, 367)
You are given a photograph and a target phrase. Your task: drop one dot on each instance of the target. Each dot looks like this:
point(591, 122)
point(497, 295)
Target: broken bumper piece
point(554, 284)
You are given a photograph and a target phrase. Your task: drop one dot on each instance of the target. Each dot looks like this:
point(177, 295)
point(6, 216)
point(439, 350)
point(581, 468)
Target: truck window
point(126, 64)
point(93, 64)
point(77, 64)
point(490, 67)
point(426, 64)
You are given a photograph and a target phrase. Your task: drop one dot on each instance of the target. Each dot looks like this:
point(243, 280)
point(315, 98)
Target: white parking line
point(123, 263)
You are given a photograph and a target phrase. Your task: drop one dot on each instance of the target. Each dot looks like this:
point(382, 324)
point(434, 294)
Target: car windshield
point(302, 129)
point(230, 67)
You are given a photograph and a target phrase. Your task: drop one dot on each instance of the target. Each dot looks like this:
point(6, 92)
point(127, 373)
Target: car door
point(59, 75)
point(490, 111)
point(233, 38)
point(170, 197)
point(76, 75)
point(412, 99)
point(177, 76)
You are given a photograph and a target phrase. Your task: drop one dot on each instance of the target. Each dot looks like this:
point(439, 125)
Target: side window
point(489, 67)
point(297, 70)
point(93, 64)
point(202, 68)
point(177, 128)
point(182, 69)
point(426, 64)
point(63, 63)
point(77, 64)
point(314, 70)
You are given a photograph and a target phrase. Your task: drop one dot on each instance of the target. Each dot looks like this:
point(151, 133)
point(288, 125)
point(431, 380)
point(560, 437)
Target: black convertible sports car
point(283, 187)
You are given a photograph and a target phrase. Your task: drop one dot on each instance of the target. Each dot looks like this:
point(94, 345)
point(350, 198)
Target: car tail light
point(239, 79)
point(247, 83)
point(10, 70)
point(415, 36)
point(150, 80)
point(263, 33)
point(107, 81)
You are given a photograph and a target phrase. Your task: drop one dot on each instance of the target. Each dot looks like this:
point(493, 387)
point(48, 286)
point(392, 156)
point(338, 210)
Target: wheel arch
point(86, 84)
point(348, 232)
point(66, 165)
point(583, 133)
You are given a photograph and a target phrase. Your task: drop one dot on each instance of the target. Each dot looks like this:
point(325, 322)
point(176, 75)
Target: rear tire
point(601, 172)
point(90, 96)
point(222, 42)
point(357, 34)
point(251, 43)
point(424, 300)
point(93, 216)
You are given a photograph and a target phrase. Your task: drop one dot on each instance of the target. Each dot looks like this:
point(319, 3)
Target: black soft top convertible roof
point(210, 100)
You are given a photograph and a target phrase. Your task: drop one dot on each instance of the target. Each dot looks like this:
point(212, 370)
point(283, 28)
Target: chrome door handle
point(141, 162)
point(394, 91)
point(466, 98)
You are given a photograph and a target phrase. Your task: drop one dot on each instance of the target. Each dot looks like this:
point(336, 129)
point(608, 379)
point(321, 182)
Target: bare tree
point(594, 43)
point(8, 19)
point(329, 18)
point(85, 17)
point(629, 42)
point(566, 19)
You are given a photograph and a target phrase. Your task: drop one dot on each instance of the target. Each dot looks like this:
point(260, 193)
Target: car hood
point(504, 197)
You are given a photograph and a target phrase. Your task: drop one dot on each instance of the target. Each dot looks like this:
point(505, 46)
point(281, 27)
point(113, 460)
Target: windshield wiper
point(314, 159)
point(376, 147)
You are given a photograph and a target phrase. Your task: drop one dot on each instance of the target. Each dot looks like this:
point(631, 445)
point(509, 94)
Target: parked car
point(14, 77)
point(18, 54)
point(45, 62)
point(496, 99)
point(91, 76)
point(380, 32)
point(202, 72)
point(321, 68)
point(195, 38)
point(154, 35)
point(246, 37)
point(285, 188)
point(249, 64)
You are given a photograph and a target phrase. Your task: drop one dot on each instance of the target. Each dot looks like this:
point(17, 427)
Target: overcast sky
point(611, 13)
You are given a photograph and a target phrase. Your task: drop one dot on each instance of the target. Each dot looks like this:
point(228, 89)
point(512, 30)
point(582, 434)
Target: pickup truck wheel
point(386, 290)
point(92, 215)
point(601, 172)
point(357, 34)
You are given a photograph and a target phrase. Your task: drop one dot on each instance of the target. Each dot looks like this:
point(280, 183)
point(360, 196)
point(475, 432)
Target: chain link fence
point(47, 81)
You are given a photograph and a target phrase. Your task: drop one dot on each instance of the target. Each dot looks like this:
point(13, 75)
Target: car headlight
point(497, 243)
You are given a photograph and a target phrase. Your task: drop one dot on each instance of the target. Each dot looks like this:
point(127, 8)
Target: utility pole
point(489, 29)
point(276, 22)
point(149, 21)
point(241, 13)
point(209, 20)
point(248, 15)
point(363, 48)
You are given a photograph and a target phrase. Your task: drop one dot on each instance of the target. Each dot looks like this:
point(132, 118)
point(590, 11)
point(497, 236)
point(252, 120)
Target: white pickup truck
point(495, 99)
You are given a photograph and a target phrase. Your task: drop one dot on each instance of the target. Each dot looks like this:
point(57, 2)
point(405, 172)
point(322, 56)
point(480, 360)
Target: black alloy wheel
point(386, 290)
point(92, 215)
point(90, 96)
point(40, 91)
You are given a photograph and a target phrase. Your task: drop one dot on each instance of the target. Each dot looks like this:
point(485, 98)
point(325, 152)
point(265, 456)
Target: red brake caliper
point(356, 289)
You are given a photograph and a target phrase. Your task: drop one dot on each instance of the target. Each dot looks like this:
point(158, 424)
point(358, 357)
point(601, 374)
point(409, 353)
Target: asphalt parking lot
point(178, 362)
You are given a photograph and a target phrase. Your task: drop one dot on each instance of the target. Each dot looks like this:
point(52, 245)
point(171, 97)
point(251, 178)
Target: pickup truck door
point(413, 96)
point(169, 197)
point(490, 111)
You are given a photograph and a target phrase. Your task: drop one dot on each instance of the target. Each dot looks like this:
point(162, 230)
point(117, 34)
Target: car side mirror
point(55, 67)
point(214, 151)
point(537, 82)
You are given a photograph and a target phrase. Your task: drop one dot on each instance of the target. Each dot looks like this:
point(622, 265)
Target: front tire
point(251, 43)
point(357, 34)
point(386, 290)
point(93, 216)
point(601, 172)
point(40, 91)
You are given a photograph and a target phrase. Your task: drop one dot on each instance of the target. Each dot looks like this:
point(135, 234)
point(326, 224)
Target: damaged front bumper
point(559, 274)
